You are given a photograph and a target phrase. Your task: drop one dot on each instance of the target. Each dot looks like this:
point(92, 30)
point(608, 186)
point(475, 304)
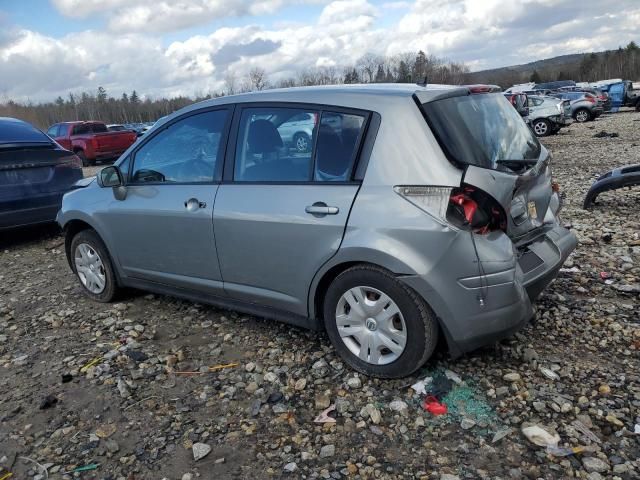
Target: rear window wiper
point(517, 165)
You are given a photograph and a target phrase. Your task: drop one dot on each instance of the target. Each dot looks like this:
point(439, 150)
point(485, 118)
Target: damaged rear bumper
point(613, 179)
point(480, 309)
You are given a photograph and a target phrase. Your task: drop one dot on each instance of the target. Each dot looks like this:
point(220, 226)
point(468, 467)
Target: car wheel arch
point(329, 274)
point(74, 227)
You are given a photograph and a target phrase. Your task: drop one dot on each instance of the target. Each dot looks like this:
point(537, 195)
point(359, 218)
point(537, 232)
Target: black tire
point(111, 289)
point(421, 323)
point(301, 142)
point(541, 127)
point(638, 105)
point(83, 157)
point(578, 115)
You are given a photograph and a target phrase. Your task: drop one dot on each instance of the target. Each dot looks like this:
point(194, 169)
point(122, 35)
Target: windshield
point(483, 130)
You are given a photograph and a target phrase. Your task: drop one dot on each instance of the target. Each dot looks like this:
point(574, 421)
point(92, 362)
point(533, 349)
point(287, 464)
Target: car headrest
point(263, 137)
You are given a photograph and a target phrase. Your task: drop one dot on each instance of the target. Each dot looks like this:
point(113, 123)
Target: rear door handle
point(320, 209)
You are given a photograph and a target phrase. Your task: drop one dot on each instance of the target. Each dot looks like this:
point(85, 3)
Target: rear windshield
point(85, 128)
point(482, 130)
point(16, 131)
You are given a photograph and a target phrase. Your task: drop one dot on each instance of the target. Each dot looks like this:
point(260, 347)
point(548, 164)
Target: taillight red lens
point(72, 161)
point(472, 208)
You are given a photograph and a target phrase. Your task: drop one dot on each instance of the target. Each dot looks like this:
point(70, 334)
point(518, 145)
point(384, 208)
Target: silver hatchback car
point(417, 213)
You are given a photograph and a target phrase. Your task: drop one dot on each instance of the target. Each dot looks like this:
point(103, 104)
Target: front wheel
point(582, 115)
point(92, 265)
point(377, 324)
point(541, 127)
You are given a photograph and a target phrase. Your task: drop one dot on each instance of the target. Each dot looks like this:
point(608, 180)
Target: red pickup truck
point(91, 141)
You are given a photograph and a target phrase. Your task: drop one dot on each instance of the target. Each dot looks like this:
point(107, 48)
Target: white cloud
point(495, 33)
point(157, 16)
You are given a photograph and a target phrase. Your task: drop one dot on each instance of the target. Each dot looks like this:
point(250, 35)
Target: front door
point(163, 229)
point(283, 213)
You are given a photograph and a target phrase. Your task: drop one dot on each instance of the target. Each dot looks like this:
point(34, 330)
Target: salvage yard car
point(548, 114)
point(584, 106)
point(34, 174)
point(423, 212)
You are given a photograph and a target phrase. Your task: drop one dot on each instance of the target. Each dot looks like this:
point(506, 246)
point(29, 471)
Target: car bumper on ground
point(487, 306)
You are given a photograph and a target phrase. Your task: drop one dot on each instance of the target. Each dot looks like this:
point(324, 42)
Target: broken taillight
point(472, 208)
point(465, 207)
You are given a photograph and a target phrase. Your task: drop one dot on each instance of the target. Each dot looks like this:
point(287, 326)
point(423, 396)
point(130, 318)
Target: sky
point(50, 48)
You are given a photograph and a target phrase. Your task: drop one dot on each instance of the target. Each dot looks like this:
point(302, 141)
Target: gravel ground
point(137, 418)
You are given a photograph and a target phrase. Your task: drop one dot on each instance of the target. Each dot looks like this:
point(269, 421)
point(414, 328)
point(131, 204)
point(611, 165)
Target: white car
point(548, 114)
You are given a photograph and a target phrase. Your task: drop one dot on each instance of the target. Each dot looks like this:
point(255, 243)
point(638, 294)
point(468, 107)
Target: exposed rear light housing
point(466, 207)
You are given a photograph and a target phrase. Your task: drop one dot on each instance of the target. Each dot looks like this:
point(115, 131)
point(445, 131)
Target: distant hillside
point(592, 66)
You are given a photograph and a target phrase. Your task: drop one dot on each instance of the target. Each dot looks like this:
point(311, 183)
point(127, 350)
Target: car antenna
point(423, 83)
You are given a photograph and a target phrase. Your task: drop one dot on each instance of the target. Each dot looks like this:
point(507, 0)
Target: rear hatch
point(507, 180)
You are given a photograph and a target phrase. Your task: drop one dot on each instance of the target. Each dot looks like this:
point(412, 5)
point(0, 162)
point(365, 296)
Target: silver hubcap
point(540, 128)
point(90, 268)
point(581, 116)
point(371, 325)
point(302, 144)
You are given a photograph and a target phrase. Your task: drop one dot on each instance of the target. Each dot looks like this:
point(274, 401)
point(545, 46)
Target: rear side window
point(98, 128)
point(338, 140)
point(275, 145)
point(481, 130)
point(53, 131)
point(296, 145)
point(187, 151)
point(17, 131)
point(81, 129)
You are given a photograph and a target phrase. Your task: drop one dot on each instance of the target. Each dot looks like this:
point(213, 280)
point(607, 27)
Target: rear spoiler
point(612, 180)
point(425, 96)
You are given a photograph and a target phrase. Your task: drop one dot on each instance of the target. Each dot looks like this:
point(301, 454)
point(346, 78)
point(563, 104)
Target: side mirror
point(110, 176)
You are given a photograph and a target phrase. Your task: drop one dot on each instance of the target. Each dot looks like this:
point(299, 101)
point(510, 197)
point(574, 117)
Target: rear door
point(280, 214)
point(616, 92)
point(163, 230)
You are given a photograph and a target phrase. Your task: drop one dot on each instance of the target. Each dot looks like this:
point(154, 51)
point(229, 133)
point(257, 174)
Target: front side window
point(188, 151)
point(53, 131)
point(275, 145)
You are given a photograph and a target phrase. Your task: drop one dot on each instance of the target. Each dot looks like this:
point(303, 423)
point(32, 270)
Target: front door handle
point(194, 204)
point(320, 209)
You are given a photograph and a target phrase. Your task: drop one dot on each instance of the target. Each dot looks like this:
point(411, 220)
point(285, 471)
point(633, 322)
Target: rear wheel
point(83, 157)
point(377, 324)
point(92, 265)
point(541, 127)
point(582, 115)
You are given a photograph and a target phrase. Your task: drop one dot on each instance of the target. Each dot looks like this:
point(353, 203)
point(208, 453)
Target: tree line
point(131, 108)
point(622, 63)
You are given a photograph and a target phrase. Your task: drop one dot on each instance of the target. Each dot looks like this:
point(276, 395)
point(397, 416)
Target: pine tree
point(535, 77)
point(404, 75)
